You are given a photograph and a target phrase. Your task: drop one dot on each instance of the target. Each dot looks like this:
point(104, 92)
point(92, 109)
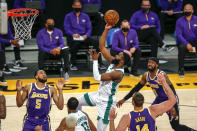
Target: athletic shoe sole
point(14, 70)
point(18, 67)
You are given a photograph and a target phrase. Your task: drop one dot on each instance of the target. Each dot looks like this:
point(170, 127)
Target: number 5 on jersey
point(145, 128)
point(38, 103)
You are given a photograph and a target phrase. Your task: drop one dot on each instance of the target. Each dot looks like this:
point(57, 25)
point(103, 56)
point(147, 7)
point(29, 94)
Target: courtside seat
point(190, 59)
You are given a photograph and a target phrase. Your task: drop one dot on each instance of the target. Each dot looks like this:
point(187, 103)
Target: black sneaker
point(2, 80)
point(6, 70)
point(19, 65)
point(181, 73)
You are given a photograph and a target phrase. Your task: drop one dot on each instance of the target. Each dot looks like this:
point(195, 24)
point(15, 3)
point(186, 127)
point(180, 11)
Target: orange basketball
point(111, 17)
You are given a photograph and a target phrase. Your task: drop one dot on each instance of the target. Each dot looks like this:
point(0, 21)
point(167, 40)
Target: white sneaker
point(66, 77)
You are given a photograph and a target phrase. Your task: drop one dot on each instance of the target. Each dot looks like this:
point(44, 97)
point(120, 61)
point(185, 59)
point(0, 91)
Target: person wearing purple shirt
point(186, 33)
point(4, 41)
point(50, 43)
point(78, 28)
point(126, 40)
point(170, 9)
point(147, 25)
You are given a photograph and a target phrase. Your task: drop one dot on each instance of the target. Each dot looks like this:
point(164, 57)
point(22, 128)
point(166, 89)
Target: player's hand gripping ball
point(111, 17)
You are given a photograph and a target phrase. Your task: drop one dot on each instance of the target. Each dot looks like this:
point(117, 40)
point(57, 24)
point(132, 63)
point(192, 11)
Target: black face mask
point(77, 9)
point(50, 27)
point(187, 13)
point(115, 61)
point(145, 10)
point(125, 29)
point(42, 80)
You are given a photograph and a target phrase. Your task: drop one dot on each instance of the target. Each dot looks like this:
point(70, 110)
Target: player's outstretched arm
point(135, 89)
point(59, 100)
point(2, 107)
point(124, 122)
point(103, 49)
point(20, 99)
point(165, 106)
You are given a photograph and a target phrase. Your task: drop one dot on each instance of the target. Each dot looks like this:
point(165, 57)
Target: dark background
point(58, 8)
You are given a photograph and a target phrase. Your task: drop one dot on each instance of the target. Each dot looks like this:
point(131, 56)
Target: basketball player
point(143, 119)
point(38, 96)
point(83, 121)
point(104, 98)
point(152, 78)
point(2, 108)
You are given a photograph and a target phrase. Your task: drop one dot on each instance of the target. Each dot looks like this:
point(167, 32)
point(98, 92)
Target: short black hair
point(35, 73)
point(76, 1)
point(127, 59)
point(72, 103)
point(138, 99)
point(123, 21)
point(154, 59)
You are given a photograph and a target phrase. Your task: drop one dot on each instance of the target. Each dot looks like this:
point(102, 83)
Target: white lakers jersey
point(82, 122)
point(109, 88)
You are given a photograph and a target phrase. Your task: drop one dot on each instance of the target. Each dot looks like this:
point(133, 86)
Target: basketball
point(111, 17)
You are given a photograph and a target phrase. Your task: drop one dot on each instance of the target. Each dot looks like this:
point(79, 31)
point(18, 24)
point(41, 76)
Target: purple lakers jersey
point(157, 88)
point(39, 101)
point(141, 121)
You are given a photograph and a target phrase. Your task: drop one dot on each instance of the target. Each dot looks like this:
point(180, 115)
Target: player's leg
point(101, 126)
point(88, 99)
point(174, 122)
point(104, 107)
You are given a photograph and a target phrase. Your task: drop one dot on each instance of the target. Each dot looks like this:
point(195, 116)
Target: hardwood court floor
point(186, 89)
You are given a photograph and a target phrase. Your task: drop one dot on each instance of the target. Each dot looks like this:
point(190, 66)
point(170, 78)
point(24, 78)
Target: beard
point(151, 69)
point(115, 61)
point(42, 80)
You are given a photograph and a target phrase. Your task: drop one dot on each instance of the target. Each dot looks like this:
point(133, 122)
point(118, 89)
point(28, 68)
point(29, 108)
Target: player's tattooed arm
point(20, 98)
point(58, 99)
point(170, 83)
point(2, 107)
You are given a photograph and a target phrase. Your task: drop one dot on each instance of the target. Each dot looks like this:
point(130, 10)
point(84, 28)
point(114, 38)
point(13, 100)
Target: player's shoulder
point(179, 20)
point(137, 12)
point(153, 14)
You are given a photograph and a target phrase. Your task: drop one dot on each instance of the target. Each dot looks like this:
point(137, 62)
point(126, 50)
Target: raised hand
point(19, 85)
point(108, 27)
point(161, 78)
point(60, 84)
point(94, 54)
point(120, 102)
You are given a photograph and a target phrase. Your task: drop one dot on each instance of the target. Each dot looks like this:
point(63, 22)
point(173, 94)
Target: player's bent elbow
point(61, 107)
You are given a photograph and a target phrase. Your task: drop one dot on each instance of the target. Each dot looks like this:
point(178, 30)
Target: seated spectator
point(147, 25)
point(126, 40)
point(50, 43)
point(169, 9)
point(78, 28)
point(186, 32)
point(5, 40)
point(95, 17)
